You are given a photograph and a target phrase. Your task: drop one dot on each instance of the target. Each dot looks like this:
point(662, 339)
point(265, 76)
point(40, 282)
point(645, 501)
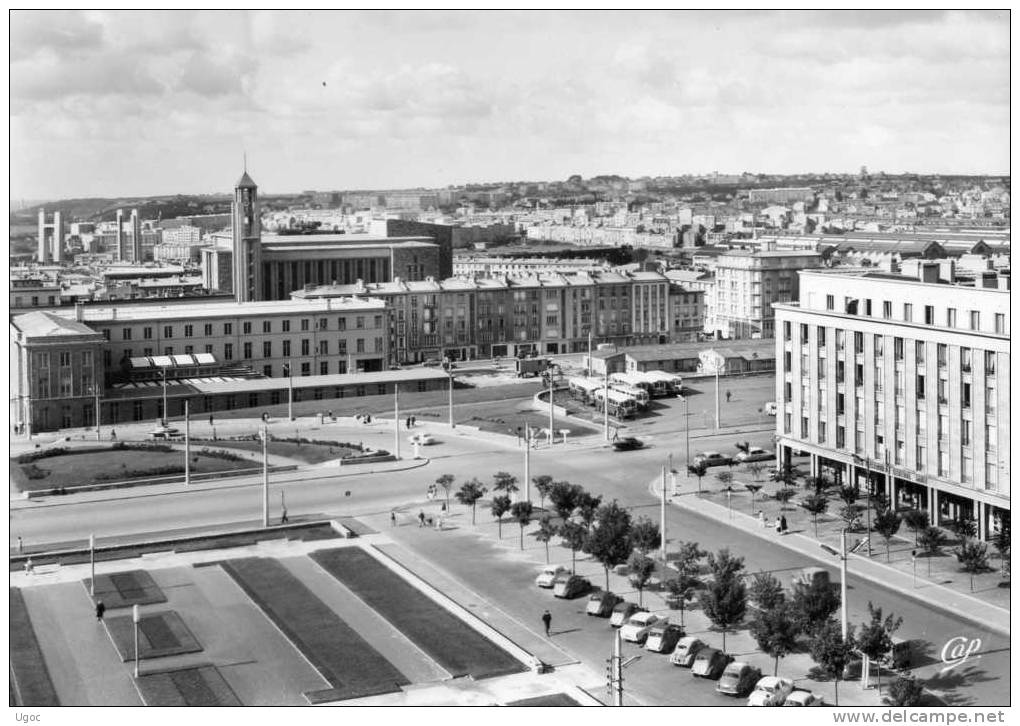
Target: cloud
point(210, 76)
point(65, 33)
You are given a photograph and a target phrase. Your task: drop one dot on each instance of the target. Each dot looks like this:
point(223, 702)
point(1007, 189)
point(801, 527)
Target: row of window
point(247, 327)
point(972, 317)
point(248, 348)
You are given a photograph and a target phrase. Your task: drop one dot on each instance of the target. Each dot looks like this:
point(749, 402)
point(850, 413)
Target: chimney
point(79, 312)
point(947, 271)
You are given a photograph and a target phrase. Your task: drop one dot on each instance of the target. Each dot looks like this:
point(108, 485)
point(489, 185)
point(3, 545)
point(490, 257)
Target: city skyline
point(152, 103)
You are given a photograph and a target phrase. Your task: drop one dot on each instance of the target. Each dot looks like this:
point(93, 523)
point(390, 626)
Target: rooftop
point(44, 324)
point(216, 309)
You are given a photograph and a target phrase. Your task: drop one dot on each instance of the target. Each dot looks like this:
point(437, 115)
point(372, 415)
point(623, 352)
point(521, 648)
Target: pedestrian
point(100, 609)
point(728, 394)
point(29, 567)
point(761, 518)
point(782, 523)
point(414, 421)
point(421, 519)
point(779, 525)
point(19, 545)
point(283, 516)
point(546, 621)
point(113, 435)
point(210, 419)
point(393, 519)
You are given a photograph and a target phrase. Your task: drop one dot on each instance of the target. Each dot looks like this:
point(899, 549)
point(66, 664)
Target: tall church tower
point(247, 239)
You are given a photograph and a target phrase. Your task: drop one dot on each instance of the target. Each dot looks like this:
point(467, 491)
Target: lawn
point(448, 640)
point(353, 668)
point(308, 453)
point(159, 635)
point(124, 589)
point(195, 686)
point(30, 680)
point(101, 466)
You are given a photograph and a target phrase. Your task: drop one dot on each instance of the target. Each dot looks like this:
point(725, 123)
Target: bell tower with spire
point(247, 240)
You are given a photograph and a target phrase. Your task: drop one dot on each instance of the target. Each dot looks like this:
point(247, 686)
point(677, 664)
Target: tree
point(766, 591)
point(446, 482)
point(1001, 542)
point(851, 515)
point(815, 504)
point(504, 482)
point(776, 633)
point(786, 475)
point(546, 531)
point(587, 507)
point(640, 567)
point(784, 495)
point(521, 511)
point(688, 558)
point(743, 446)
point(875, 638)
point(849, 495)
point(754, 489)
point(699, 469)
point(564, 496)
point(682, 588)
point(500, 506)
point(831, 652)
point(576, 536)
point(813, 604)
point(609, 540)
point(725, 478)
point(469, 494)
point(725, 599)
point(973, 558)
point(543, 484)
point(645, 535)
point(887, 524)
point(932, 540)
point(755, 468)
point(905, 691)
point(916, 520)
point(964, 528)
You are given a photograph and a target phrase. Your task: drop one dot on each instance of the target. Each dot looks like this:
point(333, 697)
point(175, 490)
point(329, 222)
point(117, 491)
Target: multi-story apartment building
point(785, 195)
point(902, 384)
point(746, 286)
point(686, 313)
point(549, 314)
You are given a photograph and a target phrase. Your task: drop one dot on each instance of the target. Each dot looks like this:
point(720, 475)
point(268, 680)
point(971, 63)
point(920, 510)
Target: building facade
point(900, 384)
point(746, 286)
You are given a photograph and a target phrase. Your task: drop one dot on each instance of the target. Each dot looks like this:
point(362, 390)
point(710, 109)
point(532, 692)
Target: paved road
point(615, 475)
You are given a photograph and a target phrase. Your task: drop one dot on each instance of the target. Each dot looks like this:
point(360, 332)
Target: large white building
point(903, 381)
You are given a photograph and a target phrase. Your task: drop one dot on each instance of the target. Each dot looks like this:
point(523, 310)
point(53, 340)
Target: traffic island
point(159, 635)
point(193, 686)
point(124, 589)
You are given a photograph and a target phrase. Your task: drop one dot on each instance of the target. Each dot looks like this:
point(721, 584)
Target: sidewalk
point(893, 575)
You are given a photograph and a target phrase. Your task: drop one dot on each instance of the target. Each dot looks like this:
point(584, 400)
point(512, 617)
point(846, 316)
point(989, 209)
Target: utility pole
point(589, 354)
point(136, 617)
point(187, 444)
point(166, 412)
point(92, 563)
point(618, 669)
point(662, 516)
point(449, 372)
point(717, 398)
point(396, 421)
point(527, 462)
point(290, 390)
point(552, 432)
point(605, 404)
point(687, 434)
point(265, 475)
point(844, 623)
point(99, 418)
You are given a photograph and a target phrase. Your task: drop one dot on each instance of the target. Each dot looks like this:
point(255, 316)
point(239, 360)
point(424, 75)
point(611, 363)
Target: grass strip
point(449, 641)
point(352, 667)
point(30, 679)
point(554, 699)
point(200, 685)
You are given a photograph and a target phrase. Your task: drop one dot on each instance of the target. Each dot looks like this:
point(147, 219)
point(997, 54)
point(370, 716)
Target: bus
point(670, 382)
point(640, 395)
point(584, 388)
point(621, 405)
point(633, 379)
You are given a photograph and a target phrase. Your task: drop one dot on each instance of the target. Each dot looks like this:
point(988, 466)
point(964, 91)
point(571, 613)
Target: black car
point(628, 444)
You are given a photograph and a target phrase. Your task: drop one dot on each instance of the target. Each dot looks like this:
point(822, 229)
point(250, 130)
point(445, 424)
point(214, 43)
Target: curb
point(916, 596)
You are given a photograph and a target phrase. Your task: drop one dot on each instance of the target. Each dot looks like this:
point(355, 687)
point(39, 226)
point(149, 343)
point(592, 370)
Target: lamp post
point(913, 564)
point(717, 397)
point(449, 371)
point(868, 507)
point(605, 404)
point(265, 475)
point(99, 418)
point(527, 462)
point(290, 389)
point(551, 415)
point(844, 622)
point(136, 616)
point(589, 354)
point(92, 564)
point(687, 435)
point(396, 420)
point(166, 413)
point(662, 516)
point(187, 444)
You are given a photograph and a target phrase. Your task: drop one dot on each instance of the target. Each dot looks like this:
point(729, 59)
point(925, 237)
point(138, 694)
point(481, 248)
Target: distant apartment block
point(786, 195)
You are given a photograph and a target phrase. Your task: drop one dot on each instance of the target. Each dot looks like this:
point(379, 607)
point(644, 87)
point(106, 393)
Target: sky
point(108, 103)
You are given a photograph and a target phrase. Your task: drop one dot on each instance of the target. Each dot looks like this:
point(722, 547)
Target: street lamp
point(166, 413)
point(867, 463)
point(265, 475)
point(136, 617)
point(290, 389)
point(687, 434)
point(448, 365)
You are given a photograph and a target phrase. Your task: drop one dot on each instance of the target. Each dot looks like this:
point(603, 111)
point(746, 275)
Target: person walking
point(728, 394)
point(19, 545)
point(393, 519)
point(782, 524)
point(546, 621)
point(414, 421)
point(210, 419)
point(29, 567)
point(113, 435)
point(421, 518)
point(100, 609)
point(283, 516)
point(779, 525)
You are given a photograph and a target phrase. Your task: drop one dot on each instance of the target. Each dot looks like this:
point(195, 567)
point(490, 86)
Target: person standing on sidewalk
point(421, 519)
point(393, 519)
point(546, 621)
point(100, 609)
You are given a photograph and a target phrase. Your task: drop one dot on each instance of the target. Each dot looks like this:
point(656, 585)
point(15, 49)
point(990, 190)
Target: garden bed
point(31, 685)
point(159, 635)
point(195, 686)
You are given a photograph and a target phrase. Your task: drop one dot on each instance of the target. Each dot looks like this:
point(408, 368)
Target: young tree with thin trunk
point(766, 591)
point(875, 637)
point(640, 567)
point(814, 505)
point(786, 475)
point(699, 470)
point(813, 604)
point(916, 520)
point(1001, 542)
point(500, 506)
point(681, 589)
point(831, 652)
point(932, 540)
point(587, 507)
point(446, 482)
point(546, 531)
point(973, 558)
point(504, 482)
point(564, 497)
point(645, 535)
point(469, 494)
point(543, 483)
point(725, 478)
point(755, 468)
point(609, 541)
point(887, 524)
point(776, 633)
point(521, 511)
point(851, 515)
point(725, 603)
point(688, 558)
point(576, 537)
point(905, 691)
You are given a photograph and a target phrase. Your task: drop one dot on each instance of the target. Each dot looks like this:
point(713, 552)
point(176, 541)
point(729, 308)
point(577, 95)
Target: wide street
point(623, 476)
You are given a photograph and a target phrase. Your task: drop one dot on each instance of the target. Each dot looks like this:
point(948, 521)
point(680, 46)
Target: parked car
point(804, 698)
point(601, 603)
point(571, 586)
point(712, 458)
point(770, 691)
point(622, 613)
point(900, 656)
point(421, 438)
point(685, 651)
point(810, 576)
point(738, 679)
point(628, 444)
point(755, 453)
point(663, 637)
point(710, 663)
point(635, 630)
point(547, 577)
point(430, 362)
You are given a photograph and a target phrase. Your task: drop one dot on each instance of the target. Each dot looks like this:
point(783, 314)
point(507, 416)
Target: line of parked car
point(658, 635)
